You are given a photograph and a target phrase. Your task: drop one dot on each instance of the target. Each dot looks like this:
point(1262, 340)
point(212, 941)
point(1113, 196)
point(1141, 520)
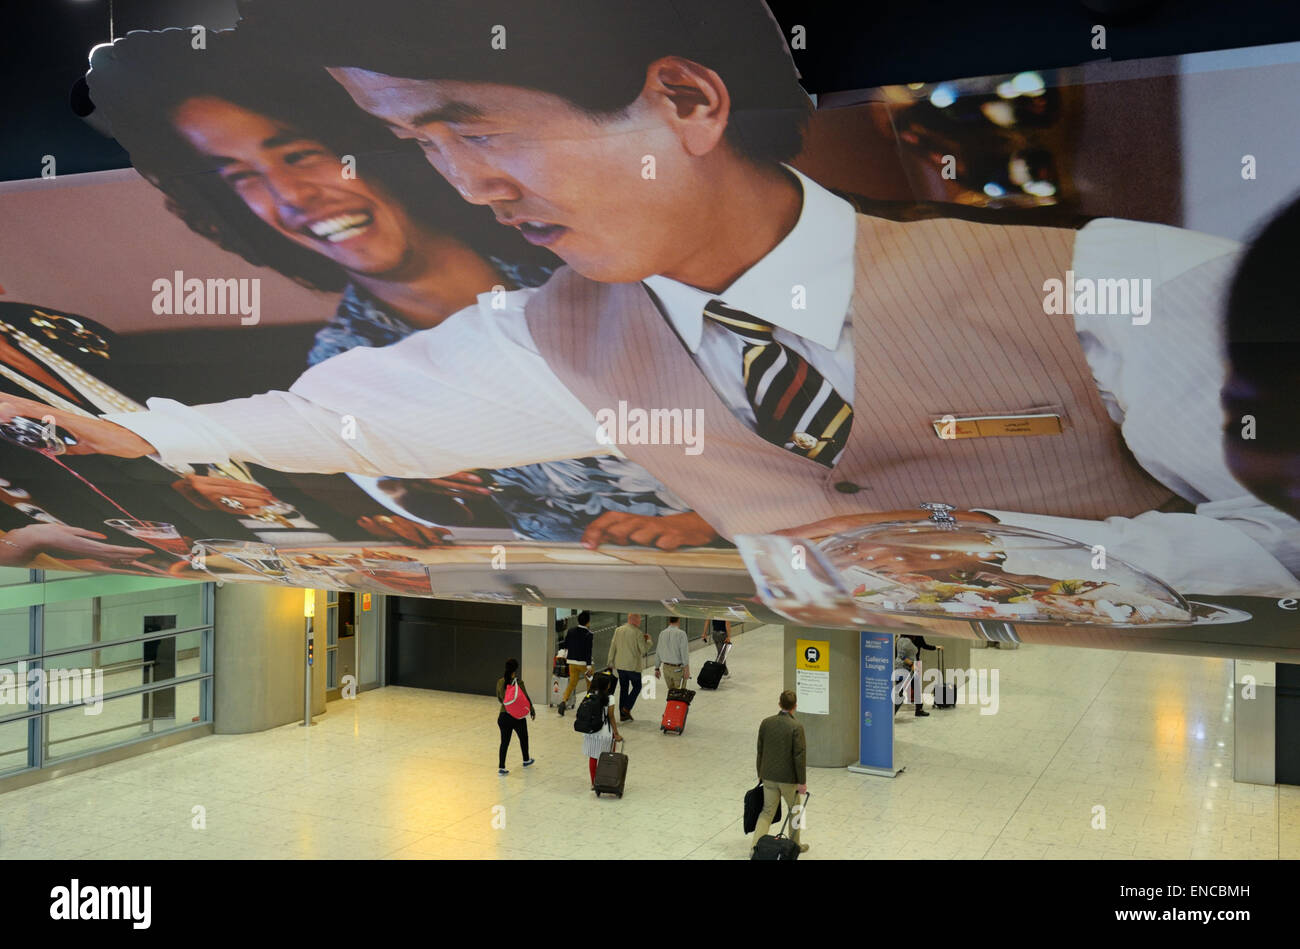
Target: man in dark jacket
point(578, 644)
point(782, 767)
point(914, 653)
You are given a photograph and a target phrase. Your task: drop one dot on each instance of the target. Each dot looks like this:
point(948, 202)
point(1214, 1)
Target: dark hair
point(1263, 346)
point(143, 78)
point(787, 700)
point(593, 53)
point(605, 681)
point(1263, 327)
point(561, 623)
point(584, 618)
point(512, 666)
point(674, 619)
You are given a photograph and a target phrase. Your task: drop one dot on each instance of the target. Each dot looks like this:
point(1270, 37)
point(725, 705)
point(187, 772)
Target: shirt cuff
point(177, 432)
point(1189, 552)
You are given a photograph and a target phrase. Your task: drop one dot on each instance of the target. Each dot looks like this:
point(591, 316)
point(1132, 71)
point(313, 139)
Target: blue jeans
point(629, 688)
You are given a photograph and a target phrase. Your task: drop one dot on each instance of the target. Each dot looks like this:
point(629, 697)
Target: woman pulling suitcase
point(597, 721)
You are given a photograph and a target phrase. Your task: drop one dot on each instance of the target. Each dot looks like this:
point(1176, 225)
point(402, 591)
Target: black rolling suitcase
point(945, 692)
point(611, 772)
point(779, 847)
point(713, 671)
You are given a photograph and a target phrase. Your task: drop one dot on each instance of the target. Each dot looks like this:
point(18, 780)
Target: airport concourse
point(200, 753)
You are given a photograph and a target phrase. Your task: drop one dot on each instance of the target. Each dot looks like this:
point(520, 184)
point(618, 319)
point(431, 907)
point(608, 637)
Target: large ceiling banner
point(590, 303)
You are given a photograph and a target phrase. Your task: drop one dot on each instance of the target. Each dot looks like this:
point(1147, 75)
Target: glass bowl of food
point(939, 567)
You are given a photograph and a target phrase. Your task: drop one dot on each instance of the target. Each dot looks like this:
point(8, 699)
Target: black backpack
point(590, 717)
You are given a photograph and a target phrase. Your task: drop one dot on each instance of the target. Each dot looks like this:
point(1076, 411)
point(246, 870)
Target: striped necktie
point(794, 404)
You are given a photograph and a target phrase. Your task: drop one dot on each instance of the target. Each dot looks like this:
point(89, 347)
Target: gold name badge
point(990, 426)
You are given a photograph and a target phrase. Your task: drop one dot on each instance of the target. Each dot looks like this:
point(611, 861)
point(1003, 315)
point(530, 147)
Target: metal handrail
point(113, 643)
point(103, 731)
point(149, 719)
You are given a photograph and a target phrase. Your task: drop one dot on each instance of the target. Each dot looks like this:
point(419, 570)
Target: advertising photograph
point(904, 397)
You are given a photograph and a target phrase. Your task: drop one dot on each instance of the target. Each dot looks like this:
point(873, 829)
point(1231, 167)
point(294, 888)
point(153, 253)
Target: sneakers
point(530, 761)
point(502, 771)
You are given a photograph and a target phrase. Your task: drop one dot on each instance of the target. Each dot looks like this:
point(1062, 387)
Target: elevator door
point(451, 646)
point(1287, 731)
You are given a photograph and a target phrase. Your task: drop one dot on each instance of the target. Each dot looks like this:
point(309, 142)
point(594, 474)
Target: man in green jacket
point(782, 767)
point(627, 652)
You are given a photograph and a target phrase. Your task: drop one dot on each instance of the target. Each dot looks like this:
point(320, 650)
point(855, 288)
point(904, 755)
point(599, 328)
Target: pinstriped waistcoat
point(947, 319)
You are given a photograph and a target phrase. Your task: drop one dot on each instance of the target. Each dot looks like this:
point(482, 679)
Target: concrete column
point(1254, 722)
point(258, 657)
point(536, 650)
point(833, 738)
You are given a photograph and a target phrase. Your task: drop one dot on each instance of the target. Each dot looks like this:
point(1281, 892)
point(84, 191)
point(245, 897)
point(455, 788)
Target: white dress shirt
point(673, 647)
point(475, 392)
point(809, 318)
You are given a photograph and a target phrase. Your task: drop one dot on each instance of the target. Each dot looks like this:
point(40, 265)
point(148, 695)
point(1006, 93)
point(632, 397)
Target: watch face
point(39, 436)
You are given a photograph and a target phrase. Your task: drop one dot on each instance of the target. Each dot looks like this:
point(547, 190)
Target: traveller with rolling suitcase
point(782, 770)
point(781, 847)
point(679, 703)
point(673, 653)
point(721, 637)
point(595, 719)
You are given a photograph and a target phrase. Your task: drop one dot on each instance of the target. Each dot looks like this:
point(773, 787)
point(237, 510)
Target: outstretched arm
point(91, 436)
point(459, 396)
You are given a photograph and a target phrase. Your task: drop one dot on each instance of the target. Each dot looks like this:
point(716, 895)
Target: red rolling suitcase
point(679, 703)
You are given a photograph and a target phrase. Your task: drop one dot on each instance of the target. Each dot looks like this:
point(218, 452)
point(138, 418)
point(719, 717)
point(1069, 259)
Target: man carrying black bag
point(782, 769)
point(754, 807)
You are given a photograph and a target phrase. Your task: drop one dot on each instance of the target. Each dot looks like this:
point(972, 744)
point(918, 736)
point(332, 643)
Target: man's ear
point(692, 98)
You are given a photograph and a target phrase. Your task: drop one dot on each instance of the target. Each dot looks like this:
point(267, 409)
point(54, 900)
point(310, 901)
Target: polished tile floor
point(407, 773)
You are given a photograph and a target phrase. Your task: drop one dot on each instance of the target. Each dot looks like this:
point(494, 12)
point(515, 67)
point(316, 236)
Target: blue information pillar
point(876, 706)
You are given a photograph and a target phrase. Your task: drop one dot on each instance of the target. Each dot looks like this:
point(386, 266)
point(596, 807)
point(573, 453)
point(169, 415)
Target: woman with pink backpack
point(516, 709)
